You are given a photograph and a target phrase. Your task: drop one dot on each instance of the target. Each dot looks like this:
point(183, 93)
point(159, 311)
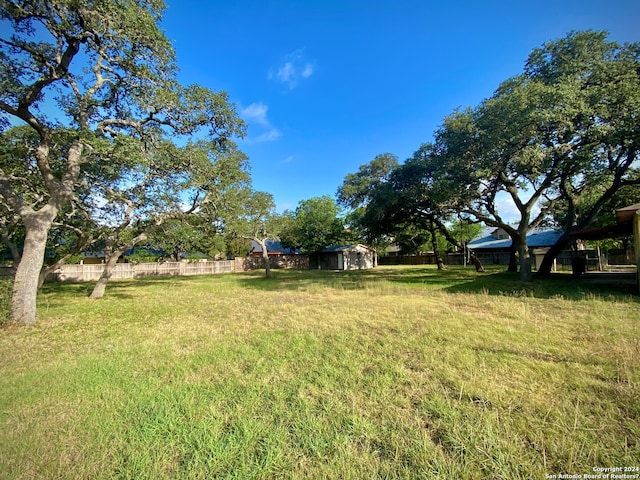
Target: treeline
point(560, 141)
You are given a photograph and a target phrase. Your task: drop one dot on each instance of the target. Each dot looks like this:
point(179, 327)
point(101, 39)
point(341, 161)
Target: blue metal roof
point(535, 239)
point(338, 248)
point(273, 246)
point(344, 248)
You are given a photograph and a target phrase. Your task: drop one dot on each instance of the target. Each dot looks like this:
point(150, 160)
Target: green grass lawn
point(399, 372)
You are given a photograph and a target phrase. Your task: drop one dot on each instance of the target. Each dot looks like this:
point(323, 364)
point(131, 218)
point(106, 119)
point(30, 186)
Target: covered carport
point(627, 223)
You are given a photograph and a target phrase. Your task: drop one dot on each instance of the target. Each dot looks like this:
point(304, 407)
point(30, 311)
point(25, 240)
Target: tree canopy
point(559, 141)
point(314, 225)
point(96, 83)
point(254, 218)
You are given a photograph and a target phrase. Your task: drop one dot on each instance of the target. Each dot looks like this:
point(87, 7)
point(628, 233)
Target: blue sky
point(325, 86)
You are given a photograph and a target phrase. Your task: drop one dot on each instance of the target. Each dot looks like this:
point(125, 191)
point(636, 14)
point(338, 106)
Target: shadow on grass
point(557, 285)
point(453, 280)
point(495, 281)
point(115, 288)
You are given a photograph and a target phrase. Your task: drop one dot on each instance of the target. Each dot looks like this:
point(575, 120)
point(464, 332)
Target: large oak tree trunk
point(513, 259)
point(25, 285)
point(37, 224)
point(520, 244)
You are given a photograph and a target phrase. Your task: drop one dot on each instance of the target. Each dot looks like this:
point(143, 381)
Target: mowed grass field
point(398, 372)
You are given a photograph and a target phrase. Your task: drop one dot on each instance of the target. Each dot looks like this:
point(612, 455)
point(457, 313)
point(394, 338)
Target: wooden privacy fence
point(90, 273)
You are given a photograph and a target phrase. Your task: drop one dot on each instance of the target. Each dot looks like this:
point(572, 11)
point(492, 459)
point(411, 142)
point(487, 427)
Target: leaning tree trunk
point(434, 245)
point(47, 269)
point(25, 284)
point(453, 241)
point(265, 258)
point(112, 257)
point(476, 262)
point(267, 264)
point(547, 262)
point(107, 272)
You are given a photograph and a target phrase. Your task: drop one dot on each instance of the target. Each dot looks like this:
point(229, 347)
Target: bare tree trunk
point(547, 262)
point(107, 272)
point(476, 262)
point(520, 243)
point(81, 245)
point(265, 256)
point(451, 239)
point(46, 270)
point(112, 256)
point(587, 218)
point(37, 225)
point(25, 284)
point(434, 245)
point(267, 264)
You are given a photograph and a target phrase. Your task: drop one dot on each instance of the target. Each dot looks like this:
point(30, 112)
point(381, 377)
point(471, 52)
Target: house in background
point(347, 257)
point(494, 245)
point(279, 256)
point(274, 248)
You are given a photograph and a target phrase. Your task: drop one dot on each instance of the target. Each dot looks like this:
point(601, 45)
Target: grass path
point(392, 373)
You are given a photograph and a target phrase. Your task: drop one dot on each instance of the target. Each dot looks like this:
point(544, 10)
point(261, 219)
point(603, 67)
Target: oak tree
point(94, 72)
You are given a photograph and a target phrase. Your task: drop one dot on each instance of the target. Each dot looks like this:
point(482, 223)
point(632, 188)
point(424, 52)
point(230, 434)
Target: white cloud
point(507, 208)
point(286, 73)
point(256, 114)
point(268, 136)
point(308, 71)
point(293, 68)
point(509, 211)
point(289, 159)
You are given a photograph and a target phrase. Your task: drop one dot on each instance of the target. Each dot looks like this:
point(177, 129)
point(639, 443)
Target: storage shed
point(347, 257)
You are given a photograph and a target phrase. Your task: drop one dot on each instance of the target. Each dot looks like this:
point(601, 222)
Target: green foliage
point(407, 207)
point(237, 246)
point(560, 140)
point(143, 255)
point(314, 225)
point(5, 301)
point(356, 188)
point(252, 216)
point(188, 236)
point(111, 145)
